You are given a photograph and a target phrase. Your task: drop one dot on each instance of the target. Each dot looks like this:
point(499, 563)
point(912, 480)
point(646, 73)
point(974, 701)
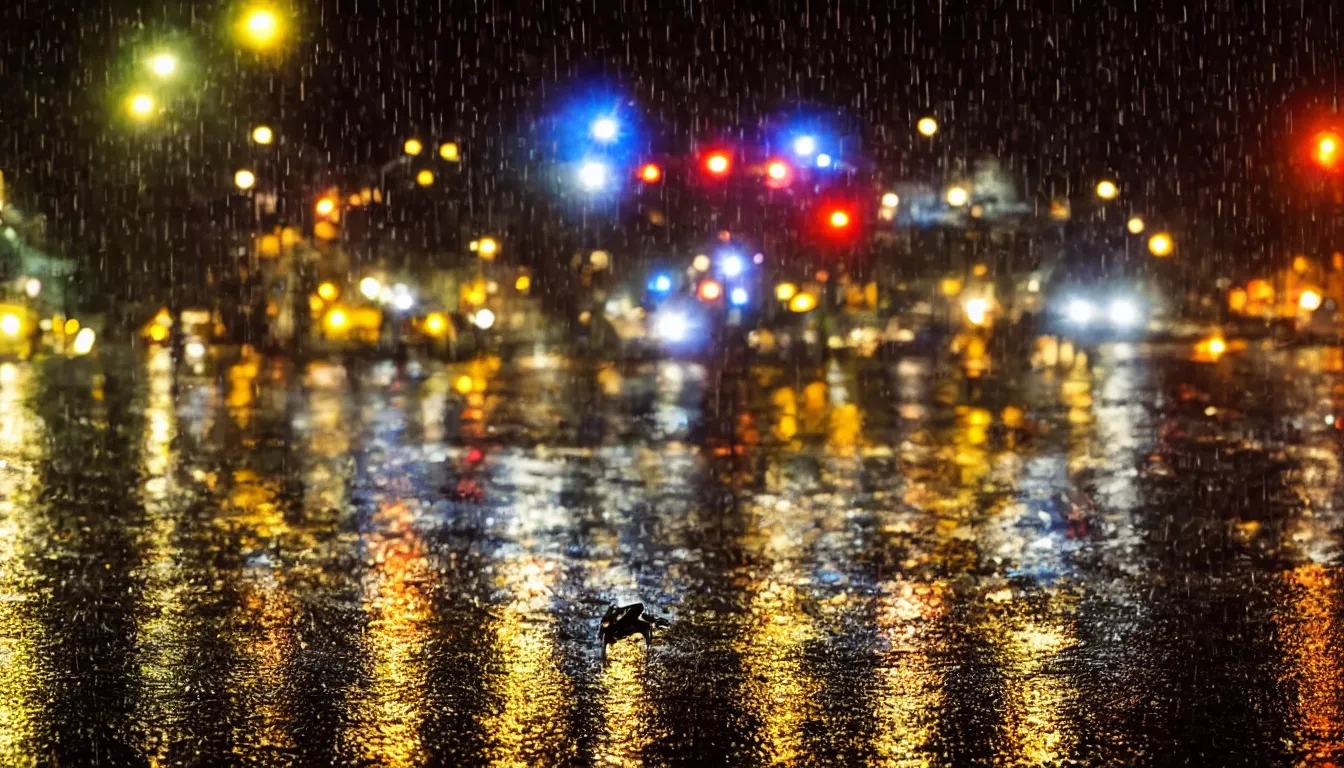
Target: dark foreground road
point(863, 564)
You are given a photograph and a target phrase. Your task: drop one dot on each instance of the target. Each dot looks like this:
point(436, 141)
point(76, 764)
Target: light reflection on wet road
point(866, 562)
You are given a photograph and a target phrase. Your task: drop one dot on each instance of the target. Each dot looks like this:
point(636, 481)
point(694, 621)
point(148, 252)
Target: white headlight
point(195, 350)
point(484, 319)
point(1124, 313)
point(671, 326)
point(84, 341)
point(1080, 311)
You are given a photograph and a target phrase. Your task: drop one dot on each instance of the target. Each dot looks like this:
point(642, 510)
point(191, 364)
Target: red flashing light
point(838, 219)
point(710, 290)
point(718, 164)
point(1328, 150)
point(650, 173)
point(778, 174)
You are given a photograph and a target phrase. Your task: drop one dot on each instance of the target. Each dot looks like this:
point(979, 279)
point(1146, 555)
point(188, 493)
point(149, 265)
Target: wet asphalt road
point(864, 563)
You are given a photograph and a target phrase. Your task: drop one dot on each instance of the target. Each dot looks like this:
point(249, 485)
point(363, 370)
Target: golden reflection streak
point(626, 709)
point(1036, 727)
point(777, 688)
point(530, 688)
point(392, 711)
point(22, 727)
point(911, 691)
point(1310, 635)
point(161, 635)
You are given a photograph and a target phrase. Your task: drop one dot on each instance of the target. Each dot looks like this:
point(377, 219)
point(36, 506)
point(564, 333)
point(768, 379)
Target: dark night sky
point(1196, 106)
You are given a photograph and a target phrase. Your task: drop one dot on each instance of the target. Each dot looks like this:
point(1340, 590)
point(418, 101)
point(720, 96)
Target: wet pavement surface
point(1134, 562)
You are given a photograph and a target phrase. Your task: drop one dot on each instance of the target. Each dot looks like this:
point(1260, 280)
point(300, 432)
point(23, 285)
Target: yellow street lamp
point(163, 65)
point(957, 196)
point(413, 147)
point(1107, 190)
point(449, 151)
point(927, 126)
point(244, 179)
point(260, 28)
point(325, 206)
point(424, 178)
point(1161, 245)
point(487, 247)
point(263, 135)
point(140, 105)
point(1134, 225)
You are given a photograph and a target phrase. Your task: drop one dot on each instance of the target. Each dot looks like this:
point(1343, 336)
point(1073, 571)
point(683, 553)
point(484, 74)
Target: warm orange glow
point(1160, 244)
point(717, 164)
point(777, 170)
point(650, 173)
point(325, 206)
point(1328, 150)
point(838, 219)
point(710, 290)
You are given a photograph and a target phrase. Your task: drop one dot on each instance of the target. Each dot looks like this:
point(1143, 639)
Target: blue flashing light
point(660, 284)
point(805, 146)
point(739, 297)
point(824, 160)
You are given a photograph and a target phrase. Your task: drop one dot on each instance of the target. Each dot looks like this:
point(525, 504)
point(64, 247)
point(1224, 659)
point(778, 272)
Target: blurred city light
point(785, 291)
point(700, 263)
point(731, 265)
point(824, 160)
point(1328, 150)
point(425, 178)
point(328, 291)
point(325, 206)
point(370, 287)
point(890, 200)
point(927, 126)
point(1124, 313)
point(672, 326)
point(522, 284)
point(1134, 225)
point(805, 146)
point(84, 339)
point(976, 310)
point(413, 147)
point(163, 65)
point(803, 302)
point(957, 196)
point(593, 175)
point(436, 323)
point(739, 297)
point(838, 219)
point(650, 173)
point(336, 319)
point(449, 152)
point(244, 179)
point(1310, 301)
point(262, 135)
point(260, 28)
point(140, 105)
point(604, 129)
point(777, 170)
point(710, 290)
point(717, 164)
point(1107, 190)
point(660, 284)
point(483, 319)
point(487, 247)
point(1161, 244)
point(1080, 311)
point(32, 287)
